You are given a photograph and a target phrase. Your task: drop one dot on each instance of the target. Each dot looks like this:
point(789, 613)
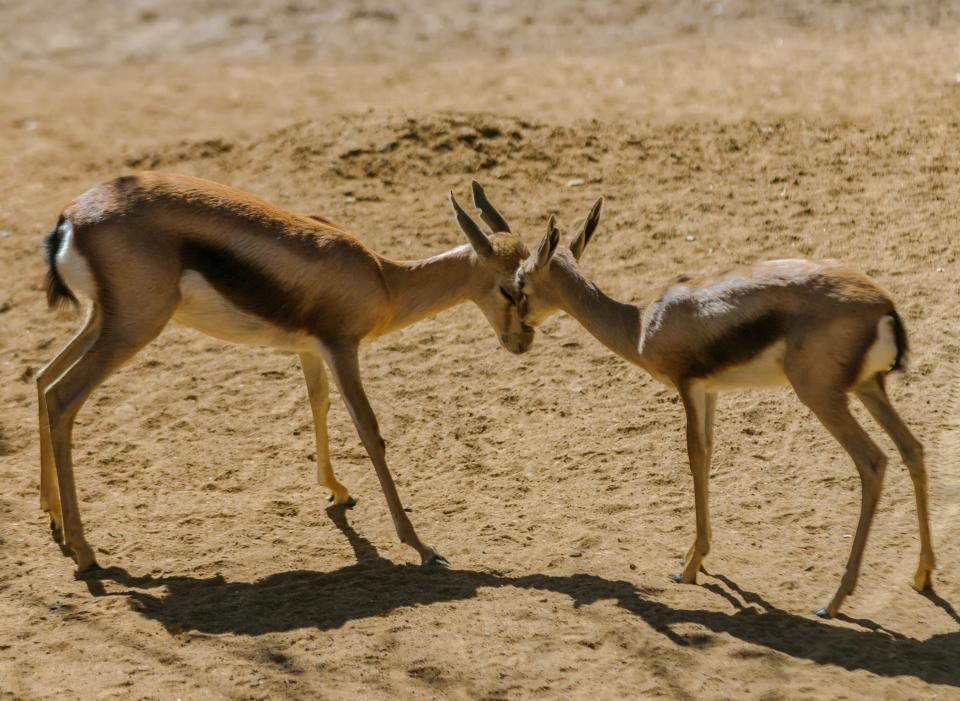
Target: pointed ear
point(549, 244)
point(589, 225)
point(491, 217)
point(476, 237)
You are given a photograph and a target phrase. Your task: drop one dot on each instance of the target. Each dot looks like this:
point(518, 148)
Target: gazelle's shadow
point(374, 586)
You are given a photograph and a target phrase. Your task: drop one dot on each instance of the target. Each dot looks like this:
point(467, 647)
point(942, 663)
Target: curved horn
point(476, 237)
point(580, 241)
point(548, 245)
point(491, 217)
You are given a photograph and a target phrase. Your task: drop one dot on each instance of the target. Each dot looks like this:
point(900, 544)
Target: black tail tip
point(59, 295)
point(903, 345)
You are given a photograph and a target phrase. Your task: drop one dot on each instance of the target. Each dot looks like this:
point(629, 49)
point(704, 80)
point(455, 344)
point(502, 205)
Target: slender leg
point(873, 394)
point(77, 346)
point(830, 406)
point(318, 390)
point(709, 416)
point(695, 406)
point(344, 363)
point(65, 396)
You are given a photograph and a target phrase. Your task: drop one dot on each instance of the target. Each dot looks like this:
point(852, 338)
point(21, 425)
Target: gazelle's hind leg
point(120, 336)
point(873, 394)
point(318, 390)
point(695, 404)
point(830, 405)
point(77, 346)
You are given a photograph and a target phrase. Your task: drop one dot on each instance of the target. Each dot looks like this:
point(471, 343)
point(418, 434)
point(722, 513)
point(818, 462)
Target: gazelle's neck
point(423, 287)
point(615, 324)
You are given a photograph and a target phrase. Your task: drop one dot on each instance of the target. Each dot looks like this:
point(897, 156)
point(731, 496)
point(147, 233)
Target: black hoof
point(678, 577)
point(438, 560)
point(821, 613)
point(348, 504)
point(92, 568)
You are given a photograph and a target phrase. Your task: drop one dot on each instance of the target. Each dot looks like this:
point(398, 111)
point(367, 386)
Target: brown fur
point(824, 318)
point(277, 278)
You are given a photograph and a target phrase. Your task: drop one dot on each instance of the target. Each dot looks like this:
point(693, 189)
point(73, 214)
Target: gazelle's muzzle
point(518, 343)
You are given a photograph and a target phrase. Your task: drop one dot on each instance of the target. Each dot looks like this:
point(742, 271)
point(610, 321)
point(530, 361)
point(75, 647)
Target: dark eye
point(507, 294)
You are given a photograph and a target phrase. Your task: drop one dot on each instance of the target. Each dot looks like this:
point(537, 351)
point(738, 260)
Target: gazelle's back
point(745, 321)
point(235, 260)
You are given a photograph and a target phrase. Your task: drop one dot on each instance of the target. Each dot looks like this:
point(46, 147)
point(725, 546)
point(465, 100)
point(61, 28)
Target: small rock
point(575, 182)
point(690, 237)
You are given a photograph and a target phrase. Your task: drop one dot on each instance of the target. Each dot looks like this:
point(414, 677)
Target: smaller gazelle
point(152, 247)
point(817, 325)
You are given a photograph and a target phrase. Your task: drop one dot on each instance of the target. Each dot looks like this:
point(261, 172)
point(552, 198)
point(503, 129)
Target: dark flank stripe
point(247, 286)
point(737, 346)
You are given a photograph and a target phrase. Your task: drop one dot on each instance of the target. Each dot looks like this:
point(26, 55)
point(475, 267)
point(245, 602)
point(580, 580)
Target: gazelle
point(817, 325)
point(152, 247)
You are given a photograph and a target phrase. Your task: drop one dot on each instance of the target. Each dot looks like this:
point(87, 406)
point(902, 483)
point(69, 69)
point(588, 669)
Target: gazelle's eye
point(509, 297)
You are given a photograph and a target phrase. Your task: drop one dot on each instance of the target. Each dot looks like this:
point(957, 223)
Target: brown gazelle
point(817, 325)
point(152, 247)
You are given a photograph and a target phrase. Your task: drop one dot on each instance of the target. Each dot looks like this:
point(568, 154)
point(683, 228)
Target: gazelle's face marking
point(499, 255)
point(502, 301)
point(538, 293)
point(543, 275)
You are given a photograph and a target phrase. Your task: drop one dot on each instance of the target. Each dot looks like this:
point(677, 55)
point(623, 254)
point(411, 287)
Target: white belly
point(763, 370)
point(766, 368)
point(204, 309)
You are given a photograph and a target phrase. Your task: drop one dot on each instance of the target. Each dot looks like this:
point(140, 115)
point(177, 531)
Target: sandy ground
point(555, 482)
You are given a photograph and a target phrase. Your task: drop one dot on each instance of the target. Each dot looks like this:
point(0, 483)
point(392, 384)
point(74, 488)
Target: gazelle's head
point(495, 289)
point(544, 276)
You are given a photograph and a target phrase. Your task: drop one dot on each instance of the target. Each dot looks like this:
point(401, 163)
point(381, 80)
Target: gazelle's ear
point(585, 233)
point(476, 237)
point(549, 244)
point(491, 217)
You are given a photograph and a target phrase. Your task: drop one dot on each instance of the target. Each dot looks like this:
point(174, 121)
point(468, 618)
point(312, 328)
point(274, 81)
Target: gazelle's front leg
point(345, 365)
point(709, 415)
point(695, 405)
point(318, 390)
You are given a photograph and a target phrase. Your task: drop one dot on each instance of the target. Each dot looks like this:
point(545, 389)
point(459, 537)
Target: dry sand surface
point(555, 482)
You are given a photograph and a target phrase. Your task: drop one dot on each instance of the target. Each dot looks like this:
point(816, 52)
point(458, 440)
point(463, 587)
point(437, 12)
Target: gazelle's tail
point(903, 346)
point(58, 294)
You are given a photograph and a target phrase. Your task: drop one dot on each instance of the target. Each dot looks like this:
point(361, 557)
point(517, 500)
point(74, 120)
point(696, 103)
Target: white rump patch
point(204, 309)
point(882, 353)
point(72, 266)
